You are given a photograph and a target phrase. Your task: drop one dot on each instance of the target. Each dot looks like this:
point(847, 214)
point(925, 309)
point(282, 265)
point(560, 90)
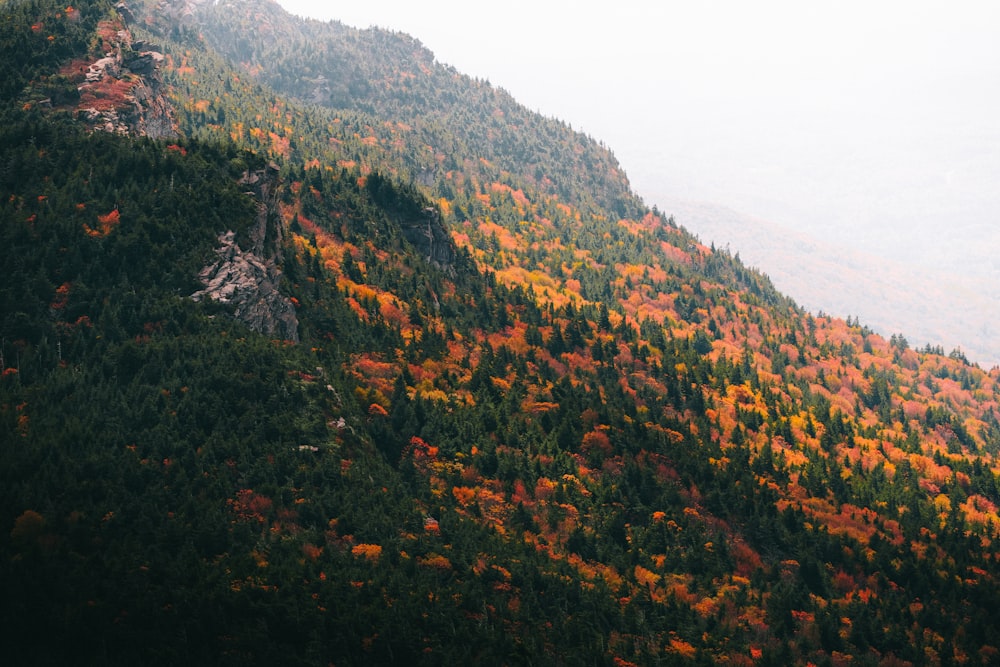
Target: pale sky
point(875, 124)
point(763, 106)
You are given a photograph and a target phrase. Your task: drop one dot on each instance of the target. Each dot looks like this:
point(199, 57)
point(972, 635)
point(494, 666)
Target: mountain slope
point(526, 420)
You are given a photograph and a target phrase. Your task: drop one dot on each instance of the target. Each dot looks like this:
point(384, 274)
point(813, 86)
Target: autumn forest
point(316, 351)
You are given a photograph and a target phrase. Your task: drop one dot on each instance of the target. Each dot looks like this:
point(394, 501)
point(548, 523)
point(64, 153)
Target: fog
point(869, 129)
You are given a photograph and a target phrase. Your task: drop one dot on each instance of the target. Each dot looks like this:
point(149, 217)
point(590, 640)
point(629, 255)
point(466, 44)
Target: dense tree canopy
point(576, 435)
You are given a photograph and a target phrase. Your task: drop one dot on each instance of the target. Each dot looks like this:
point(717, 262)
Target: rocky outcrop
point(428, 235)
point(249, 279)
point(125, 11)
point(122, 92)
point(267, 233)
point(144, 113)
point(150, 115)
point(249, 284)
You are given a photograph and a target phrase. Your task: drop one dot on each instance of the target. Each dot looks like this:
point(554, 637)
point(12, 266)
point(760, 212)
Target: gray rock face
point(249, 279)
point(145, 114)
point(250, 284)
point(126, 12)
point(151, 115)
point(145, 111)
point(266, 235)
point(431, 239)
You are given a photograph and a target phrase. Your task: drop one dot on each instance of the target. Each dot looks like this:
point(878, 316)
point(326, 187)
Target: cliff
point(429, 237)
point(122, 91)
point(248, 279)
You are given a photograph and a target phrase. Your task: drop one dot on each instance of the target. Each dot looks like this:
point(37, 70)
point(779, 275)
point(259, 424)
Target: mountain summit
point(361, 362)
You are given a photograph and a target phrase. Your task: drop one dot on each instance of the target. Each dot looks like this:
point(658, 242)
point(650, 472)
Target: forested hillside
point(315, 351)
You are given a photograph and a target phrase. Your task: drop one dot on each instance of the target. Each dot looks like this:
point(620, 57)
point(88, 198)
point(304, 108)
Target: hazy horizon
point(874, 126)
